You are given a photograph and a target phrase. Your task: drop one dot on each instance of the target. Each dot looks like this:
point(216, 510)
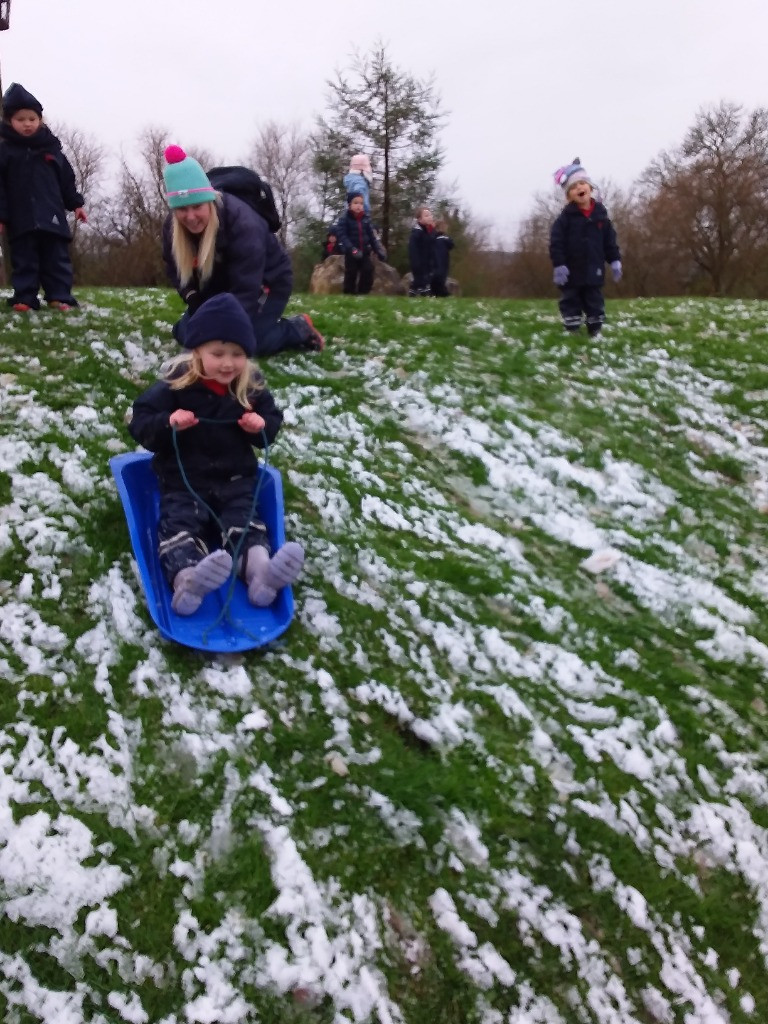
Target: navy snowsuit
point(584, 244)
point(250, 263)
point(442, 256)
point(421, 256)
point(219, 463)
point(357, 241)
point(37, 187)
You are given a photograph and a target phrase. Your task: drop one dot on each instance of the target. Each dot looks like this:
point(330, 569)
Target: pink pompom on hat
point(570, 174)
point(186, 183)
point(360, 162)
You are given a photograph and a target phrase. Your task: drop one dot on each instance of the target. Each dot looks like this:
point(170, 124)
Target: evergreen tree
point(381, 110)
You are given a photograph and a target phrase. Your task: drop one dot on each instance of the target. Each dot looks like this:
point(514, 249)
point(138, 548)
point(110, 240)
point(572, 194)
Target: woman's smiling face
point(194, 218)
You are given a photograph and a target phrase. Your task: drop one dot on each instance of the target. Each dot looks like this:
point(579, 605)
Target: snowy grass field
point(508, 764)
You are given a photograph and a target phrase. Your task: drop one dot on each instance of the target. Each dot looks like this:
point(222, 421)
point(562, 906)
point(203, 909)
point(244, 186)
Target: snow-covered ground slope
point(508, 765)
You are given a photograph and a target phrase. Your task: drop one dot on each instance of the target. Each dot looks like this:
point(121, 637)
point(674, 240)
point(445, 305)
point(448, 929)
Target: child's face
point(357, 205)
point(580, 193)
point(222, 361)
point(332, 239)
point(425, 217)
point(194, 218)
point(26, 122)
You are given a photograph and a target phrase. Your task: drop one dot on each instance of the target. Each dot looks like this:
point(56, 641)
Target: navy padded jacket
point(583, 244)
point(37, 183)
point(357, 233)
point(248, 257)
point(209, 452)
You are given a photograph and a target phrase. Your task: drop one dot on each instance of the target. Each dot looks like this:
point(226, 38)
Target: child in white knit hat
point(582, 241)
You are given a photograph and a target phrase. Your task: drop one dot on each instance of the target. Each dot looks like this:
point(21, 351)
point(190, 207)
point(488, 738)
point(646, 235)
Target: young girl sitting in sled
point(202, 421)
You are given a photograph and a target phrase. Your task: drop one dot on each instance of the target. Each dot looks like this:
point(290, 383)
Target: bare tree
point(531, 267)
point(133, 217)
point(712, 194)
point(282, 155)
point(88, 158)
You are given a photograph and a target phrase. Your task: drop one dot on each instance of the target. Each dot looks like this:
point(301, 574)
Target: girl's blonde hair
point(195, 252)
point(187, 368)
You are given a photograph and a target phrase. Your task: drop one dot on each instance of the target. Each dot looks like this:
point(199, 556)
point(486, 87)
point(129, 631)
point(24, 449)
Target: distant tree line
point(694, 223)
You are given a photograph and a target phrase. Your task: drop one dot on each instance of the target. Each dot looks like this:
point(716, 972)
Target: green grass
point(478, 783)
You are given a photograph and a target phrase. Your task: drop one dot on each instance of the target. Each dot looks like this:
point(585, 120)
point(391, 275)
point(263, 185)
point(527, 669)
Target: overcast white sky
point(526, 86)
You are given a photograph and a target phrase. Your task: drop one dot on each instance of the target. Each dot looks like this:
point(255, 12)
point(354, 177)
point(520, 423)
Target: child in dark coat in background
point(37, 187)
point(421, 252)
point(358, 240)
point(202, 421)
point(331, 245)
point(443, 243)
point(582, 241)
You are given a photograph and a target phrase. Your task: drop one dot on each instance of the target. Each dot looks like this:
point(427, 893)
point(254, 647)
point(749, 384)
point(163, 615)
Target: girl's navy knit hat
point(16, 97)
point(220, 318)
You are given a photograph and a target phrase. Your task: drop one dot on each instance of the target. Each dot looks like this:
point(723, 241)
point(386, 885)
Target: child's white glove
point(560, 276)
point(616, 270)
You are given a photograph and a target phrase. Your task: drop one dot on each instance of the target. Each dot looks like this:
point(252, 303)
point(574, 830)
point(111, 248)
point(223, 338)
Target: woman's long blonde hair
point(186, 369)
point(195, 252)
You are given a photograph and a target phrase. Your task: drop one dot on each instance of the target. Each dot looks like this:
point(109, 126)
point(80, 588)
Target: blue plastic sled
point(243, 626)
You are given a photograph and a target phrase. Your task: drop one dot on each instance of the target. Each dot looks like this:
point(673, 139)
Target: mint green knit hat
point(186, 183)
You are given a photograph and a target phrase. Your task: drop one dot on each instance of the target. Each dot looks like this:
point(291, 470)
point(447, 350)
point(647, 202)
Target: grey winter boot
point(265, 575)
point(192, 584)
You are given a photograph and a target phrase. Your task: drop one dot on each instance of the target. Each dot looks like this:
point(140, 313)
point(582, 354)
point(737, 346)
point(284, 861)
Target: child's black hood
point(16, 97)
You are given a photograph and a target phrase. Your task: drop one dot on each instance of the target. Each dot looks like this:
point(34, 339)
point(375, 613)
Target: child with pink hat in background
point(358, 180)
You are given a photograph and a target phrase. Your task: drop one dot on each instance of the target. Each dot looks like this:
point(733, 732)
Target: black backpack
point(248, 186)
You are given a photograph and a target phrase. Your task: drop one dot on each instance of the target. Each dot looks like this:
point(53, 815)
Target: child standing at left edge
point(581, 242)
point(37, 187)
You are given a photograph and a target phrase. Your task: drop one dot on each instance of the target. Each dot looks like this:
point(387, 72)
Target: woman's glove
point(560, 276)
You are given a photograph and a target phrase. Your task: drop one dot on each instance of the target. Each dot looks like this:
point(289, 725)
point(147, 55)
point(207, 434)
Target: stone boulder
point(328, 278)
point(386, 280)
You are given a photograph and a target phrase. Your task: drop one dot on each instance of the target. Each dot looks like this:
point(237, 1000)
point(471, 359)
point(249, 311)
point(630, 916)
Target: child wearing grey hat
point(582, 241)
point(202, 421)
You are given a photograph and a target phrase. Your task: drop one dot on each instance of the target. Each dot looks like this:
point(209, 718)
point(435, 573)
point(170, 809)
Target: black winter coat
point(248, 257)
point(421, 254)
point(37, 183)
point(442, 254)
point(583, 244)
point(211, 453)
point(353, 233)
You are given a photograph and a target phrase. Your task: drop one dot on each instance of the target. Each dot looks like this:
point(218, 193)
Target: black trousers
point(578, 304)
point(187, 531)
point(358, 275)
point(39, 258)
point(439, 285)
